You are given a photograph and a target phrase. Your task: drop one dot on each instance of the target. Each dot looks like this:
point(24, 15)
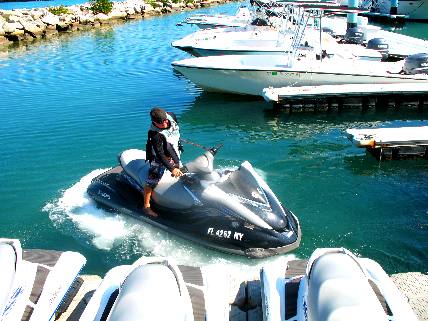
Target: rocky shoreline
point(23, 26)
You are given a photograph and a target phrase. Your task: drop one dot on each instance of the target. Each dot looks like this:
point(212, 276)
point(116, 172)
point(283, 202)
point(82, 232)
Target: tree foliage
point(59, 10)
point(101, 6)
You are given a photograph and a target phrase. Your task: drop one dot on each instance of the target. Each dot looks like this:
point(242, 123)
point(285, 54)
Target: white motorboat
point(257, 40)
point(416, 10)
point(158, 289)
point(34, 282)
point(245, 40)
point(301, 65)
point(241, 18)
point(249, 75)
point(335, 286)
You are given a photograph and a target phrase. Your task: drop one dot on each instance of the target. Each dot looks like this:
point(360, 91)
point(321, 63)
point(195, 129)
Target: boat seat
point(133, 162)
point(338, 290)
point(8, 261)
point(150, 292)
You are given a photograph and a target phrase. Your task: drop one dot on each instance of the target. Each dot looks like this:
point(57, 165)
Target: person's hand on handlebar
point(176, 172)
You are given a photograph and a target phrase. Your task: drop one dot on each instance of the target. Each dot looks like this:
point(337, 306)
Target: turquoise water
point(70, 105)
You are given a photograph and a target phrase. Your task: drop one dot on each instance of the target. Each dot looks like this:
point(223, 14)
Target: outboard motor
point(329, 31)
point(380, 45)
point(259, 22)
point(354, 35)
point(416, 64)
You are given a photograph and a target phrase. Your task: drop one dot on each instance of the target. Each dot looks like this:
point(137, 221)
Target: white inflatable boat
point(335, 286)
point(34, 282)
point(158, 289)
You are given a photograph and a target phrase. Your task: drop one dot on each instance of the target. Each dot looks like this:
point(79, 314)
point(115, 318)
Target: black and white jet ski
point(232, 211)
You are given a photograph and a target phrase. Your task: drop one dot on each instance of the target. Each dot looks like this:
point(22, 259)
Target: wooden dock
point(392, 143)
point(328, 97)
point(244, 293)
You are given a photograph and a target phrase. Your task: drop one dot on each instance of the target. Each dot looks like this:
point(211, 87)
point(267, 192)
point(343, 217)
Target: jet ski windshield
point(247, 187)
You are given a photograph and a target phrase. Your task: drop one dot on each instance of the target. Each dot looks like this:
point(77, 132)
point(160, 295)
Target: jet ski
point(156, 288)
point(334, 285)
point(233, 211)
point(35, 282)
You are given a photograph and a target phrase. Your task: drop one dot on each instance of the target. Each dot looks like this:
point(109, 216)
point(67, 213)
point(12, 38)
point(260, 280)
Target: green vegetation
point(59, 10)
point(153, 3)
point(101, 6)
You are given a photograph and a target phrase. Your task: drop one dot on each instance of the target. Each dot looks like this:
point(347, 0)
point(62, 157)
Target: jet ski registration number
point(225, 234)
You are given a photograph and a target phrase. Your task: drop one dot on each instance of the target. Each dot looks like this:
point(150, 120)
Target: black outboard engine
point(329, 31)
point(416, 64)
point(354, 35)
point(259, 22)
point(380, 45)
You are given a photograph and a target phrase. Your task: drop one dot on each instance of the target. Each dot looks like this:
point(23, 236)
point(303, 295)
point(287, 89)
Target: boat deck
point(244, 292)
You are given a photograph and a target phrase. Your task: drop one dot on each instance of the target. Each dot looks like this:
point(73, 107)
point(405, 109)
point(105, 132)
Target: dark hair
point(158, 115)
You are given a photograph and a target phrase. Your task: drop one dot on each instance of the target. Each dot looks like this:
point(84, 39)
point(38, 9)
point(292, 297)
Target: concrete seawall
point(24, 26)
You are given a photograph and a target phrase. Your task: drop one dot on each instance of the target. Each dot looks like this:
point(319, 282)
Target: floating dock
point(385, 17)
point(324, 96)
point(392, 143)
point(244, 293)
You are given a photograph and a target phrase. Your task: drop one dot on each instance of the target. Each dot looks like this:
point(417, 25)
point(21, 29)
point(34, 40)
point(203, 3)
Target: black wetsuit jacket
point(159, 150)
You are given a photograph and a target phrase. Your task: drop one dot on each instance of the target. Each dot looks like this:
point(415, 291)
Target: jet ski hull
point(209, 225)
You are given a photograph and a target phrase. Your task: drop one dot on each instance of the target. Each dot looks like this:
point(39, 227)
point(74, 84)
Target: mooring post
point(394, 7)
point(352, 17)
point(316, 106)
point(381, 103)
point(329, 105)
point(397, 102)
point(339, 105)
point(421, 103)
point(365, 104)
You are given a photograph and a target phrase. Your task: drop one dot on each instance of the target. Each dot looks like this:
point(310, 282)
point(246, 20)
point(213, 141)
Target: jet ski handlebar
point(213, 150)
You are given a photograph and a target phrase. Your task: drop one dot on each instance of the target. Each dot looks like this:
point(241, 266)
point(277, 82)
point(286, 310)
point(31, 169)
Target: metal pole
point(394, 7)
point(352, 17)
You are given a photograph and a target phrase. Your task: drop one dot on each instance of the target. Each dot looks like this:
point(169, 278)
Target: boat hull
point(252, 81)
point(413, 10)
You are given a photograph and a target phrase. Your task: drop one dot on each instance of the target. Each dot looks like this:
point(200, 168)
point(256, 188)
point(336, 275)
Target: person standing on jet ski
point(162, 151)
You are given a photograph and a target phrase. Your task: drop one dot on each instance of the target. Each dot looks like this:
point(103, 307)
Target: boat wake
point(127, 237)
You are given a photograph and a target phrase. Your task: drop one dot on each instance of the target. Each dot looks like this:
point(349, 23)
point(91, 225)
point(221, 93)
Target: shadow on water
point(253, 114)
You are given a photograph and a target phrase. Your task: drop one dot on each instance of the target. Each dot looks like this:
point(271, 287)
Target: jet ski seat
point(8, 259)
point(149, 292)
point(338, 290)
point(133, 162)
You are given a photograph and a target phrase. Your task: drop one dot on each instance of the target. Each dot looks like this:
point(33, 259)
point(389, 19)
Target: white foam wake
point(129, 238)
point(75, 205)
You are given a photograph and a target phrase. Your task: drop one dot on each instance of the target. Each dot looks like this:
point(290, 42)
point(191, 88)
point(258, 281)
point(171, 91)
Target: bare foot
point(149, 211)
